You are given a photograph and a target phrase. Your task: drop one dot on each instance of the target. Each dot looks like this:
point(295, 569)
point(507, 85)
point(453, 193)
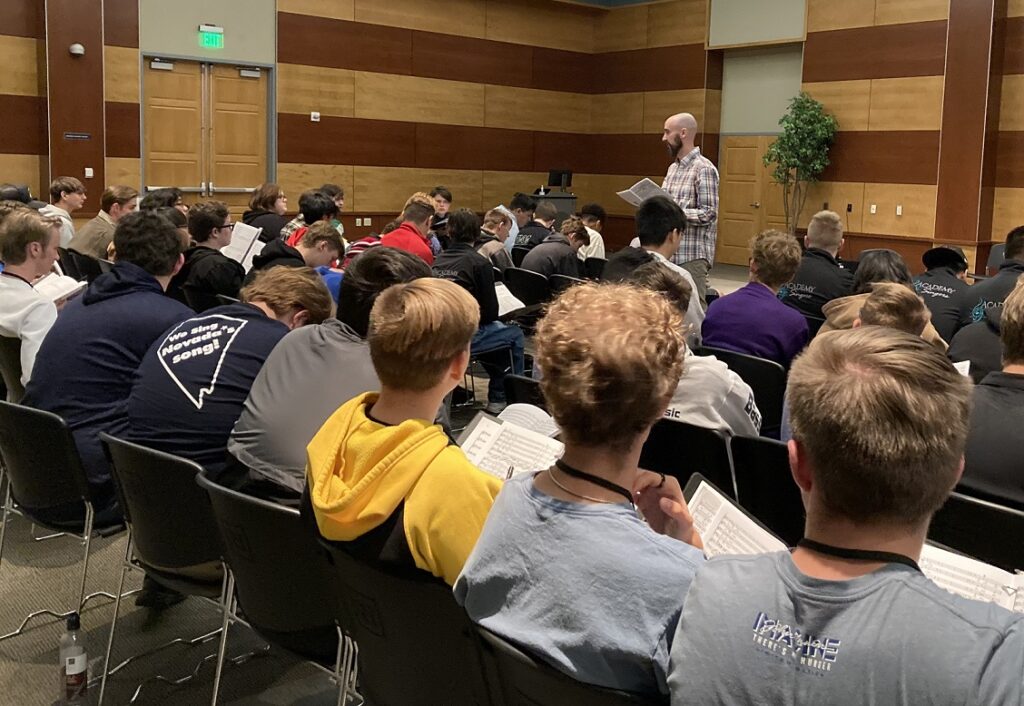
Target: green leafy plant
point(800, 154)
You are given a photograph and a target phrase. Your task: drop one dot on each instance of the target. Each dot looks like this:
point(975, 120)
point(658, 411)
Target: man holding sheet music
point(207, 272)
point(879, 427)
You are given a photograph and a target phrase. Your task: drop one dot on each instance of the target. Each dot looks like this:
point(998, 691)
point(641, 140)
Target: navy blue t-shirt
point(193, 380)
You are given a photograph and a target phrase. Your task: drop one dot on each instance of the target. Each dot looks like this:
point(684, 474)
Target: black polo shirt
point(461, 264)
point(941, 290)
point(994, 459)
point(818, 281)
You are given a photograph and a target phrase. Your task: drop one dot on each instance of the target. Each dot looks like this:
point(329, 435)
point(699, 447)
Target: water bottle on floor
point(74, 672)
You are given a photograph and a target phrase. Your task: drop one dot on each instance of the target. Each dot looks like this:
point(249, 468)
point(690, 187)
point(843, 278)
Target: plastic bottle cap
point(74, 622)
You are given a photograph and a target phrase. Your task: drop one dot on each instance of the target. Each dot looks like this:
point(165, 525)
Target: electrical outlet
point(359, 223)
point(849, 208)
point(89, 173)
point(874, 209)
point(314, 117)
point(824, 206)
point(899, 209)
point(366, 222)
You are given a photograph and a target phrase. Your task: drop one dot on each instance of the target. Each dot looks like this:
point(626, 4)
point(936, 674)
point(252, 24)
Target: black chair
point(711, 295)
point(594, 267)
point(223, 299)
point(767, 380)
point(281, 580)
point(814, 324)
point(171, 530)
point(765, 486)
point(530, 288)
point(560, 283)
point(10, 367)
point(499, 275)
point(524, 681)
point(68, 265)
point(520, 389)
point(981, 529)
point(105, 265)
point(995, 256)
point(680, 449)
point(416, 646)
point(43, 470)
point(88, 267)
point(518, 255)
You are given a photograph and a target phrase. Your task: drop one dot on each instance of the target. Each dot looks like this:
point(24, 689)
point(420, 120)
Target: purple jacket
point(752, 320)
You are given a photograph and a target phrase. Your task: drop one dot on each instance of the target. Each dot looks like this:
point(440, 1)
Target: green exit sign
point(211, 37)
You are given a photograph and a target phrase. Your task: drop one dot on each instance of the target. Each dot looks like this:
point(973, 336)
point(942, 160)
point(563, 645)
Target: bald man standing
point(692, 182)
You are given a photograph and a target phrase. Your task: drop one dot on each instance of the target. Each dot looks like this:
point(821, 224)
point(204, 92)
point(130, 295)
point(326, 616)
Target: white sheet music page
point(242, 238)
point(725, 529)
point(973, 579)
point(495, 447)
point(641, 191)
point(530, 417)
point(507, 301)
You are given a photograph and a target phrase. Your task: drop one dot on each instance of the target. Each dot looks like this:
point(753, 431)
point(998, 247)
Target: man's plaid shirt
point(692, 181)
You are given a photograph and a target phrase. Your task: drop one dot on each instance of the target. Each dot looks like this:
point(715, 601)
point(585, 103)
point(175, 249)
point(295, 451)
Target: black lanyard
point(858, 554)
point(596, 480)
point(5, 273)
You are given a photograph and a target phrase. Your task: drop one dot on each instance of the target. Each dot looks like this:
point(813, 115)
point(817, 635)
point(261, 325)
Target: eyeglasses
point(226, 225)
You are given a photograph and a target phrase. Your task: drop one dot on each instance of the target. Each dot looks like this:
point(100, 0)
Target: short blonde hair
point(285, 289)
point(777, 256)
point(825, 230)
point(495, 217)
point(323, 231)
point(1012, 325)
point(418, 208)
point(895, 306)
point(612, 355)
point(417, 329)
point(883, 417)
point(19, 229)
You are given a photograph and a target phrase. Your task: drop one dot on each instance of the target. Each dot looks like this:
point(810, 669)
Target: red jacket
point(407, 238)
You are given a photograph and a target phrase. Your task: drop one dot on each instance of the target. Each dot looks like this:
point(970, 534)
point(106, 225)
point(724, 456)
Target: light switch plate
point(314, 117)
point(359, 223)
point(366, 222)
point(874, 208)
point(899, 209)
point(89, 173)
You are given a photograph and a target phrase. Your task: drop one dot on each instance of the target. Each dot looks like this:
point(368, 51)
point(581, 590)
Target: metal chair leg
point(6, 520)
point(113, 620)
point(227, 607)
point(89, 517)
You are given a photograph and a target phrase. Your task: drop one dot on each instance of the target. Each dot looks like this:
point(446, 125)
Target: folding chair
point(10, 367)
point(981, 529)
point(765, 486)
point(499, 275)
point(560, 283)
point(106, 266)
point(518, 254)
point(679, 449)
point(68, 265)
point(995, 256)
point(88, 266)
point(767, 380)
point(223, 299)
point(594, 267)
point(520, 389)
point(814, 324)
point(531, 288)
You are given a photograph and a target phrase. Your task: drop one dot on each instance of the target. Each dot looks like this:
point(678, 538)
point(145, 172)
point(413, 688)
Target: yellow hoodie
point(360, 472)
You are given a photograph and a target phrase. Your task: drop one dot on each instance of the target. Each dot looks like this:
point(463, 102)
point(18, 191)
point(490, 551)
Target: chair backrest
point(10, 367)
point(560, 283)
point(594, 267)
point(87, 265)
point(530, 288)
point(282, 576)
point(981, 529)
point(518, 254)
point(765, 487)
point(767, 380)
point(170, 515)
point(198, 299)
point(42, 461)
point(995, 256)
point(417, 646)
point(680, 449)
point(106, 266)
point(525, 681)
point(68, 265)
point(520, 389)
point(814, 324)
point(711, 295)
point(223, 299)
point(499, 275)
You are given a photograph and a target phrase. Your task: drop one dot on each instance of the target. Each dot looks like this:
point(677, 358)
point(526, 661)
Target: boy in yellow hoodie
point(381, 476)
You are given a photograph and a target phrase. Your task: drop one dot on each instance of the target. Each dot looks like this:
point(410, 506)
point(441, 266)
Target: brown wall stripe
point(122, 129)
point(1013, 61)
point(910, 248)
point(23, 18)
point(893, 51)
point(121, 23)
point(909, 157)
point(24, 130)
point(1010, 162)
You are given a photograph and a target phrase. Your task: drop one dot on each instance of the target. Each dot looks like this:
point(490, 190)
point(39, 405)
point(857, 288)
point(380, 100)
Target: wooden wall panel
point(499, 187)
point(453, 147)
point(20, 59)
point(295, 178)
point(122, 129)
point(1013, 48)
point(712, 112)
point(617, 112)
point(528, 109)
point(892, 51)
point(906, 103)
point(889, 12)
point(411, 98)
point(24, 125)
point(602, 188)
point(121, 81)
point(647, 69)
point(1007, 212)
point(837, 195)
point(1015, 8)
point(23, 169)
point(377, 189)
point(918, 203)
point(478, 60)
point(121, 23)
point(303, 89)
point(621, 29)
point(659, 105)
point(554, 70)
point(125, 171)
point(344, 141)
point(848, 101)
point(465, 18)
point(334, 9)
point(542, 23)
point(910, 248)
point(1010, 164)
point(343, 45)
point(909, 157)
point(824, 15)
point(678, 22)
point(1011, 112)
point(23, 18)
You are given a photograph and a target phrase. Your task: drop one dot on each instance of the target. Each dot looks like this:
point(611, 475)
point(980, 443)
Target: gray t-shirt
point(590, 589)
point(756, 630)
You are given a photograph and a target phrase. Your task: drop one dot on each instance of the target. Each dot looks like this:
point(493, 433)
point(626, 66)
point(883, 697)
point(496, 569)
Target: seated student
point(881, 265)
point(206, 272)
point(411, 235)
point(439, 238)
point(491, 241)
point(594, 218)
point(752, 320)
point(942, 286)
point(566, 567)
point(299, 386)
point(314, 207)
point(990, 293)
point(557, 253)
point(363, 244)
point(28, 249)
point(67, 194)
point(461, 264)
point(709, 394)
point(84, 369)
point(266, 210)
point(979, 344)
point(879, 424)
point(170, 197)
point(659, 224)
point(994, 466)
point(820, 278)
point(381, 477)
point(540, 226)
point(894, 306)
point(320, 246)
point(191, 384)
point(96, 236)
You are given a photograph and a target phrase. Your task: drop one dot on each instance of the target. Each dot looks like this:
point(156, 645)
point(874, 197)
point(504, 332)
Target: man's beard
point(673, 146)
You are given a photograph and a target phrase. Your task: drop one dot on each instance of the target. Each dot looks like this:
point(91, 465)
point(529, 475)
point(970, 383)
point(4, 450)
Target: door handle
point(182, 189)
point(756, 204)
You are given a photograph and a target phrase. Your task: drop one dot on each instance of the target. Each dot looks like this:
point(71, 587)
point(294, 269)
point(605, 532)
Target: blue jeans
point(490, 345)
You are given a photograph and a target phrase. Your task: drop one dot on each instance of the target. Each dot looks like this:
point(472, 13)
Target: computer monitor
point(560, 177)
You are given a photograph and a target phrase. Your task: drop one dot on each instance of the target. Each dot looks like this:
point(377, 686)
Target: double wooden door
point(748, 200)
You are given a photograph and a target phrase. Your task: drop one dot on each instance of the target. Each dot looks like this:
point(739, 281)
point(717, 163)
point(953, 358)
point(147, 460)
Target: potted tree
point(800, 154)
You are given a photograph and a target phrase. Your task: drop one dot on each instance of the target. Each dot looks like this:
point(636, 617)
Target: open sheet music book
point(507, 301)
point(728, 529)
point(530, 417)
point(641, 191)
point(57, 287)
point(244, 239)
point(504, 449)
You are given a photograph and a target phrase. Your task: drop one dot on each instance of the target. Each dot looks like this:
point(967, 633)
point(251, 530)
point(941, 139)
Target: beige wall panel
point(906, 103)
point(602, 188)
point(1011, 112)
point(1007, 212)
point(303, 89)
point(415, 99)
point(337, 9)
point(918, 203)
point(121, 74)
point(659, 105)
point(621, 29)
point(971, 253)
point(20, 60)
point(542, 23)
point(1015, 8)
point(124, 170)
point(387, 189)
point(462, 17)
point(848, 101)
point(295, 178)
point(532, 109)
point(839, 14)
point(499, 187)
point(617, 113)
point(23, 169)
point(837, 194)
point(677, 22)
point(891, 12)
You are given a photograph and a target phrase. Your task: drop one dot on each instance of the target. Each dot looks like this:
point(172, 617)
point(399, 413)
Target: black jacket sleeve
point(483, 285)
